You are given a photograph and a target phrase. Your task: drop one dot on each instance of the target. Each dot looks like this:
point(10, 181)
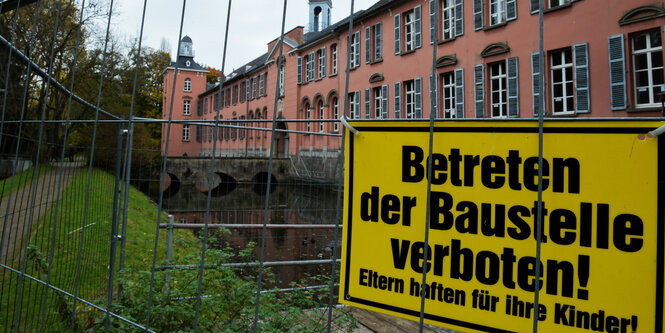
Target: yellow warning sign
point(602, 236)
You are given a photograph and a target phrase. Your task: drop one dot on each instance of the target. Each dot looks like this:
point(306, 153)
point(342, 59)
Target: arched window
point(188, 85)
point(308, 116)
point(321, 116)
point(242, 129)
point(335, 113)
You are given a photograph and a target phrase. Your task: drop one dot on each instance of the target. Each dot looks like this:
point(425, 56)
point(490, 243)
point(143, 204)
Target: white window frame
point(186, 107)
point(188, 85)
point(352, 105)
point(409, 31)
point(498, 74)
point(352, 47)
point(333, 59)
point(650, 69)
point(321, 116)
point(321, 59)
point(378, 102)
point(409, 99)
point(185, 132)
point(308, 116)
point(448, 19)
point(335, 112)
point(567, 96)
point(448, 98)
point(556, 3)
point(310, 68)
point(497, 12)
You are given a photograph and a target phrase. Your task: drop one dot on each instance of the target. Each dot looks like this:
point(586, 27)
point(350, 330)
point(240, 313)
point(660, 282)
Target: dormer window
point(188, 63)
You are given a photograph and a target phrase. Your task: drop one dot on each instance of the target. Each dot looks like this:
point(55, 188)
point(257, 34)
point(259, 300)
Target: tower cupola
point(186, 49)
point(319, 14)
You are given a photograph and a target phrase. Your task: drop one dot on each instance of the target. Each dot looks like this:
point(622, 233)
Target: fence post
point(169, 248)
point(114, 225)
point(126, 177)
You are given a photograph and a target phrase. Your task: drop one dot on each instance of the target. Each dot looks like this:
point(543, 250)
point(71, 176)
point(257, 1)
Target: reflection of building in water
point(602, 59)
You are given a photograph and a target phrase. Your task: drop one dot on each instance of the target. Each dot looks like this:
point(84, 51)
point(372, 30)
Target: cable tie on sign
point(347, 125)
point(658, 131)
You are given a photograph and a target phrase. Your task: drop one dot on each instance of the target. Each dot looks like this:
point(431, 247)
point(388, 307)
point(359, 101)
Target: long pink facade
point(603, 58)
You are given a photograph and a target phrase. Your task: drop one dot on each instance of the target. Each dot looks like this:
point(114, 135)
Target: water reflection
point(303, 204)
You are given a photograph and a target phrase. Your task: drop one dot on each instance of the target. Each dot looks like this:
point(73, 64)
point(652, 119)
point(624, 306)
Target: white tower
point(186, 49)
point(319, 14)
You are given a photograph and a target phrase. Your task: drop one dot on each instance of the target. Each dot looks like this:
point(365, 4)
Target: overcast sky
point(253, 24)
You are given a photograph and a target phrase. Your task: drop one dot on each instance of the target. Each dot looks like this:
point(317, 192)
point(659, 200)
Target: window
point(253, 87)
point(451, 17)
point(247, 88)
point(451, 83)
point(355, 50)
point(321, 55)
point(262, 84)
point(373, 43)
point(242, 94)
point(448, 19)
point(188, 85)
point(235, 94)
point(503, 91)
point(376, 102)
point(234, 129)
point(186, 105)
point(335, 113)
point(354, 105)
point(185, 132)
point(321, 116)
point(557, 3)
point(281, 79)
point(561, 78)
point(494, 12)
point(647, 67)
point(308, 116)
point(309, 67)
point(333, 59)
point(409, 99)
point(548, 4)
point(228, 97)
point(408, 30)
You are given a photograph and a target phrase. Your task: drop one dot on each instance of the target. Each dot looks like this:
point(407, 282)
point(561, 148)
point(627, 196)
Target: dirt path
point(15, 220)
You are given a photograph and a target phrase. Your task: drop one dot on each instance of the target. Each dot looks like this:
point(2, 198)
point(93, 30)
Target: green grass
point(21, 178)
point(96, 244)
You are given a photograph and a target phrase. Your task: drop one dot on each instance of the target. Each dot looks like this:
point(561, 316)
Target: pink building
point(603, 58)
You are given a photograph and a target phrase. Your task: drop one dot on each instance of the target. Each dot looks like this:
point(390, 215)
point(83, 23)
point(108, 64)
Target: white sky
point(253, 24)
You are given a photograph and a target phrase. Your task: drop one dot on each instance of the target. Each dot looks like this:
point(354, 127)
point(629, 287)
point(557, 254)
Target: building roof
point(240, 72)
point(181, 63)
point(186, 39)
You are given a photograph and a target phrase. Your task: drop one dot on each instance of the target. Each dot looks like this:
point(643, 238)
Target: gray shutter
point(432, 21)
point(512, 66)
point(511, 10)
point(198, 108)
point(535, 83)
point(261, 84)
point(247, 85)
point(357, 106)
point(198, 133)
point(459, 92)
point(384, 101)
point(459, 17)
point(477, 14)
point(368, 112)
point(398, 102)
point(417, 82)
point(378, 53)
point(581, 59)
point(479, 96)
point(433, 99)
point(618, 98)
point(265, 80)
point(325, 55)
point(535, 6)
point(398, 44)
point(418, 34)
point(299, 78)
point(357, 48)
point(368, 44)
point(310, 63)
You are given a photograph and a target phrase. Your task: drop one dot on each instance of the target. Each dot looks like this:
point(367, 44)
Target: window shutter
point(513, 87)
point(417, 82)
point(459, 17)
point(310, 64)
point(299, 78)
point(247, 85)
point(357, 106)
point(511, 10)
point(535, 6)
point(459, 92)
point(398, 105)
point(357, 48)
point(581, 59)
point(398, 45)
point(198, 133)
point(261, 84)
point(479, 96)
point(368, 112)
point(368, 41)
point(377, 42)
point(433, 96)
point(418, 34)
point(618, 98)
point(384, 101)
point(265, 79)
point(477, 14)
point(535, 83)
point(323, 52)
point(432, 21)
point(198, 108)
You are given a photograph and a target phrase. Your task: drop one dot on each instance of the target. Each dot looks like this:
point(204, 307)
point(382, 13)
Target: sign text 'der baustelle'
point(602, 237)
